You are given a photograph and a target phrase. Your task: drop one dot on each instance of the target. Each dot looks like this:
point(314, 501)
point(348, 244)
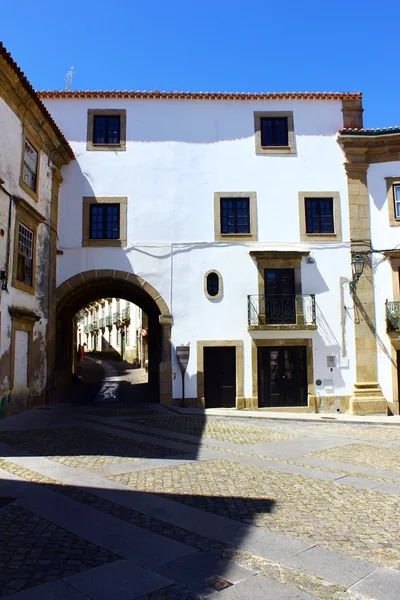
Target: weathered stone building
point(32, 153)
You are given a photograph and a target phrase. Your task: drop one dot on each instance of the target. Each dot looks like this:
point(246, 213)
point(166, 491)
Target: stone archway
point(87, 286)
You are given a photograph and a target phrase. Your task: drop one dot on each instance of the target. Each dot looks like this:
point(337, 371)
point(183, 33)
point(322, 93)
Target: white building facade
point(227, 219)
point(113, 326)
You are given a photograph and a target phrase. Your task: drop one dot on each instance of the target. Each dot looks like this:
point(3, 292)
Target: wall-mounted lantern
point(357, 267)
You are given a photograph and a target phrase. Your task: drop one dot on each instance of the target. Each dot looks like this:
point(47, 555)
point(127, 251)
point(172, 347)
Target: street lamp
point(357, 267)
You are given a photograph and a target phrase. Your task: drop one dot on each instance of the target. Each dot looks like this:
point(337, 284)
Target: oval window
point(212, 284)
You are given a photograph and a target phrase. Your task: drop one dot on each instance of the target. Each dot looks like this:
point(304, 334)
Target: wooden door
point(220, 377)
point(280, 299)
point(282, 376)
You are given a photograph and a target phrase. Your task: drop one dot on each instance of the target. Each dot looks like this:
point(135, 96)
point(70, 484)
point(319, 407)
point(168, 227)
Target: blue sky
point(214, 45)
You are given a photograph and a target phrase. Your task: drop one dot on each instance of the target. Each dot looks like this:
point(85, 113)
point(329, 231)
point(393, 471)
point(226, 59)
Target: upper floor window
point(213, 285)
point(320, 218)
point(319, 215)
point(235, 215)
point(25, 255)
point(104, 222)
point(393, 200)
point(396, 194)
point(274, 132)
point(30, 166)
point(106, 129)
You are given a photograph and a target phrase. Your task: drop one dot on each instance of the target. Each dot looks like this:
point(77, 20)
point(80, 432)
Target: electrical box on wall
point(331, 361)
point(344, 362)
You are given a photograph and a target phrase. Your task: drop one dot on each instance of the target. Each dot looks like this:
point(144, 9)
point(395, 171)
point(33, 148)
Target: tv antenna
point(68, 79)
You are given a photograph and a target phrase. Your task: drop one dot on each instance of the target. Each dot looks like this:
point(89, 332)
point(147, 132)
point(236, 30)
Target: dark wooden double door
point(220, 377)
point(282, 376)
point(280, 298)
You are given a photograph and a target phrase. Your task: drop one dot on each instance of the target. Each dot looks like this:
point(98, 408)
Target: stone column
point(166, 358)
point(367, 396)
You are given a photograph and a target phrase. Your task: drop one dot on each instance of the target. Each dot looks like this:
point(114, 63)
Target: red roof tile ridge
point(141, 94)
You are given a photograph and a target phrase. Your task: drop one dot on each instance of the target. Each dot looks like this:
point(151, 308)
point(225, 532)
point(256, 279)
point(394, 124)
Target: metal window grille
point(106, 130)
point(235, 215)
point(396, 190)
point(319, 215)
point(104, 222)
point(274, 131)
point(30, 166)
point(212, 284)
point(25, 255)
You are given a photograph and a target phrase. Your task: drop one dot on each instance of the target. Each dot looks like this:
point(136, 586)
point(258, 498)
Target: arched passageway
point(85, 287)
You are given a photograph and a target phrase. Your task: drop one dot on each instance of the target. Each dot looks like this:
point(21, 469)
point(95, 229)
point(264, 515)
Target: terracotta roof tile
point(202, 95)
point(35, 97)
point(367, 131)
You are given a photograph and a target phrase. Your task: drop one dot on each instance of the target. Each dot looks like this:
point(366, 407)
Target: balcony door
point(280, 298)
point(282, 376)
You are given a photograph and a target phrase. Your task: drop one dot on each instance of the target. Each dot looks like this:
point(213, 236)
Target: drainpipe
point(10, 198)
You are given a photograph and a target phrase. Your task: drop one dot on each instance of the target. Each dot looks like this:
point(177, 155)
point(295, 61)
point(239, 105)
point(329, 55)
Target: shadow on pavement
point(101, 513)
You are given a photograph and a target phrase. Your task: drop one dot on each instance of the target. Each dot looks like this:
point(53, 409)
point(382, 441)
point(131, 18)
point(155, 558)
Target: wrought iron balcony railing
point(86, 328)
point(91, 327)
point(267, 311)
point(126, 313)
point(393, 315)
point(116, 317)
point(108, 320)
point(101, 323)
point(95, 325)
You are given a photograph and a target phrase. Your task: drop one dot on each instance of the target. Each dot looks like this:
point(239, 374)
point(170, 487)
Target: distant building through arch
point(82, 288)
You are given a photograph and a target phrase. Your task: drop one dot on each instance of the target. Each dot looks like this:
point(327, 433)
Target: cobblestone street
point(137, 501)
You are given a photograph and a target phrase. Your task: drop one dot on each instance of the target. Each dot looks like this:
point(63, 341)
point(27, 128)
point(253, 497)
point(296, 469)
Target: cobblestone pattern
point(34, 551)
point(360, 454)
point(82, 448)
point(384, 433)
point(253, 455)
point(361, 523)
point(216, 429)
point(291, 577)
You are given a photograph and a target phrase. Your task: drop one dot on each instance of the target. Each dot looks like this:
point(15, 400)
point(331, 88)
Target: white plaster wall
point(10, 167)
point(178, 154)
point(383, 237)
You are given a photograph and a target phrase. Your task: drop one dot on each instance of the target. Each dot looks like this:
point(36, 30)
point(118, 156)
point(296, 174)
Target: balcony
point(86, 328)
point(126, 313)
point(101, 323)
point(282, 312)
point(95, 325)
point(116, 317)
point(90, 327)
point(108, 321)
point(393, 316)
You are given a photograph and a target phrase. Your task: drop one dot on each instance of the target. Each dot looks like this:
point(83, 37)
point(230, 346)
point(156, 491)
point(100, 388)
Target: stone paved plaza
point(108, 502)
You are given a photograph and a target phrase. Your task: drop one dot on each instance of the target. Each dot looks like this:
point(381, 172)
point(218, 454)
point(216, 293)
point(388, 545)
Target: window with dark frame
point(396, 197)
point(235, 215)
point(319, 215)
point(104, 222)
point(106, 129)
point(30, 166)
point(274, 131)
point(212, 284)
point(25, 255)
